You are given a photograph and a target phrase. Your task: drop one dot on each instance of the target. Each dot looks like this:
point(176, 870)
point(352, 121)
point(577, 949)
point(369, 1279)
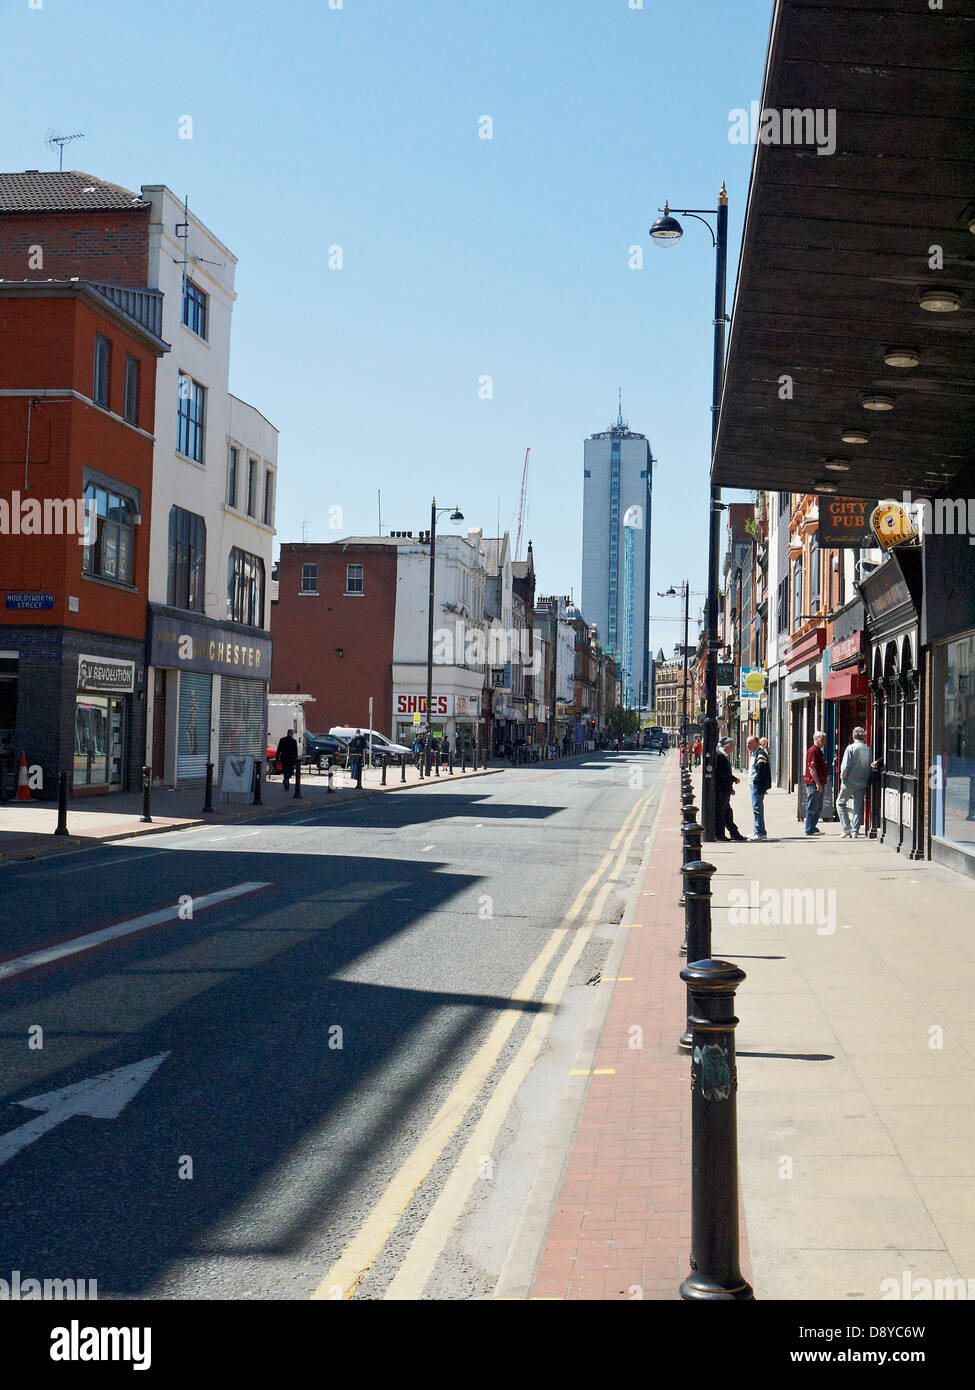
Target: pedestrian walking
point(855, 772)
point(815, 777)
point(698, 749)
point(725, 782)
point(287, 755)
point(759, 781)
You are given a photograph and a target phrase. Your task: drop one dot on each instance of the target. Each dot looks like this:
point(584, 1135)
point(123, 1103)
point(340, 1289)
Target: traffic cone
point(23, 790)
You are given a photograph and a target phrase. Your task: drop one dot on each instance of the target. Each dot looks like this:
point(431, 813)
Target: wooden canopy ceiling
point(837, 252)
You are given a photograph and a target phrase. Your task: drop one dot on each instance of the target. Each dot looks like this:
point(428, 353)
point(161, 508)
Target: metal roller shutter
point(193, 746)
point(243, 718)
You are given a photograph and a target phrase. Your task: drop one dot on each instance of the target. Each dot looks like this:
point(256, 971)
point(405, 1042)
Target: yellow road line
point(360, 1253)
point(431, 1239)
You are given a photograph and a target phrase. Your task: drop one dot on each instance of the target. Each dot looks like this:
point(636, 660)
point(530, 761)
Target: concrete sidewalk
point(26, 828)
point(856, 1072)
point(857, 1058)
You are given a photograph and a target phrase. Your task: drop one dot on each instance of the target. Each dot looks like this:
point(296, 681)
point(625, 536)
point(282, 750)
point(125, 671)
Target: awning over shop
point(845, 685)
point(843, 235)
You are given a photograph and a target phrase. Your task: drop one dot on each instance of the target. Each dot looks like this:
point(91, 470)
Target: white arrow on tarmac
point(102, 1097)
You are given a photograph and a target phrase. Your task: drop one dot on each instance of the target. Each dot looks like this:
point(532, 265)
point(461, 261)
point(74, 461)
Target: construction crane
point(521, 506)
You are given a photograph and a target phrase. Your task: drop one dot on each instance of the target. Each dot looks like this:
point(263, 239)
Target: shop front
point(847, 690)
point(803, 697)
point(72, 701)
point(455, 717)
point(891, 595)
point(208, 694)
point(948, 632)
point(101, 723)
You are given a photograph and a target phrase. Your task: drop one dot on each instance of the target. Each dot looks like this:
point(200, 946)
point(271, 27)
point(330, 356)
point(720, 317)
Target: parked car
point(319, 747)
point(381, 745)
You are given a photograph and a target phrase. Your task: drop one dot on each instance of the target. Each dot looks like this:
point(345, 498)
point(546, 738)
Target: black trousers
point(724, 821)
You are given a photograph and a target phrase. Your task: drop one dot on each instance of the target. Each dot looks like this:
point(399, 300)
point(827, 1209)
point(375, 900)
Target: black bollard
point(691, 852)
point(297, 796)
point(328, 769)
point(208, 793)
point(436, 759)
point(463, 758)
point(62, 826)
point(474, 759)
point(402, 768)
point(358, 772)
point(450, 762)
point(146, 794)
point(257, 783)
point(697, 923)
point(715, 1274)
point(385, 760)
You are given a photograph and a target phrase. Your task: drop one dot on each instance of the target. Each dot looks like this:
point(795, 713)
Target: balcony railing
point(142, 305)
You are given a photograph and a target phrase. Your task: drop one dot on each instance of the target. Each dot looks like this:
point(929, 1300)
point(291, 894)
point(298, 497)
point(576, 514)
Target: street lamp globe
point(456, 515)
point(666, 231)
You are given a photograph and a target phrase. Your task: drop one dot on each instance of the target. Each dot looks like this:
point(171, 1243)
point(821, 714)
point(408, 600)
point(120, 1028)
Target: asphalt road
point(355, 1024)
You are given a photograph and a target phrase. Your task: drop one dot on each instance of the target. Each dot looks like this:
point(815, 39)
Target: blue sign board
point(30, 601)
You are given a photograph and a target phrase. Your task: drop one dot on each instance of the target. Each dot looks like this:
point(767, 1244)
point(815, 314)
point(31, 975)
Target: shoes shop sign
point(106, 673)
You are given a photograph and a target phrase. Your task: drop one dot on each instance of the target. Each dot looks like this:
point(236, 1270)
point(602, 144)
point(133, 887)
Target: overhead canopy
point(836, 255)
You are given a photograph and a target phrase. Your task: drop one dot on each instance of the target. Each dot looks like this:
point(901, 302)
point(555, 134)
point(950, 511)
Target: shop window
point(245, 588)
point(195, 306)
point(191, 418)
point(131, 402)
point(953, 746)
point(112, 533)
point(103, 353)
point(187, 560)
point(797, 595)
point(233, 464)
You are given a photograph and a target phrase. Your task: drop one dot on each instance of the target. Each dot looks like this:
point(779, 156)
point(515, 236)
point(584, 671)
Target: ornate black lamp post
point(666, 231)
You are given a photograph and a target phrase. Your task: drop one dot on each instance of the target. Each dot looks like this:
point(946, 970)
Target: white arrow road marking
point(20, 964)
point(102, 1097)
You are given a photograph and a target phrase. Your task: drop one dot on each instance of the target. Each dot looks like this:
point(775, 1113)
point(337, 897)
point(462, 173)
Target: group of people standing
point(855, 770)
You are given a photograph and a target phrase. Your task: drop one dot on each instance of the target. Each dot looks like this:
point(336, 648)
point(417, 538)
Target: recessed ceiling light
point(837, 465)
point(824, 487)
point(855, 437)
point(940, 301)
point(877, 403)
point(902, 357)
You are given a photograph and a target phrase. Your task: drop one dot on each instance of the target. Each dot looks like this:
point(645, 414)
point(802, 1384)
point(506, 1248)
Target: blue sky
point(462, 257)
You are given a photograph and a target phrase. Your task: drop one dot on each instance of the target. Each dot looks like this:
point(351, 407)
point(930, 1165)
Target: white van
point(285, 712)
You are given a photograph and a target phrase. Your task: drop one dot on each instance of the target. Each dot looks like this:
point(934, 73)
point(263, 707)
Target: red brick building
point(77, 391)
point(89, 228)
point(332, 626)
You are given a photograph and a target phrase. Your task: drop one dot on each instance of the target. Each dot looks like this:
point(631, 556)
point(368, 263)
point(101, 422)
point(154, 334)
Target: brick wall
point(47, 343)
point(308, 631)
point(111, 247)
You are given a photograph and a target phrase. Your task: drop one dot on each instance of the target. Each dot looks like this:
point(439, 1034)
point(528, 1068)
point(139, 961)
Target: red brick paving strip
point(622, 1224)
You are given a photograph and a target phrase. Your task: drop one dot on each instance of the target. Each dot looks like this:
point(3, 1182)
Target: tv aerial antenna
point(59, 141)
point(182, 230)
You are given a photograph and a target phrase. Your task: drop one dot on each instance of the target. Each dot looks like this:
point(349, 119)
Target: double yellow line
point(358, 1257)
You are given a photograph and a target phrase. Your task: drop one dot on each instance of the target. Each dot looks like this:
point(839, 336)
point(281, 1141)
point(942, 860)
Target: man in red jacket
point(815, 778)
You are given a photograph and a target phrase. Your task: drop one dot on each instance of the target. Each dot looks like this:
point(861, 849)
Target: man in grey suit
point(855, 772)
